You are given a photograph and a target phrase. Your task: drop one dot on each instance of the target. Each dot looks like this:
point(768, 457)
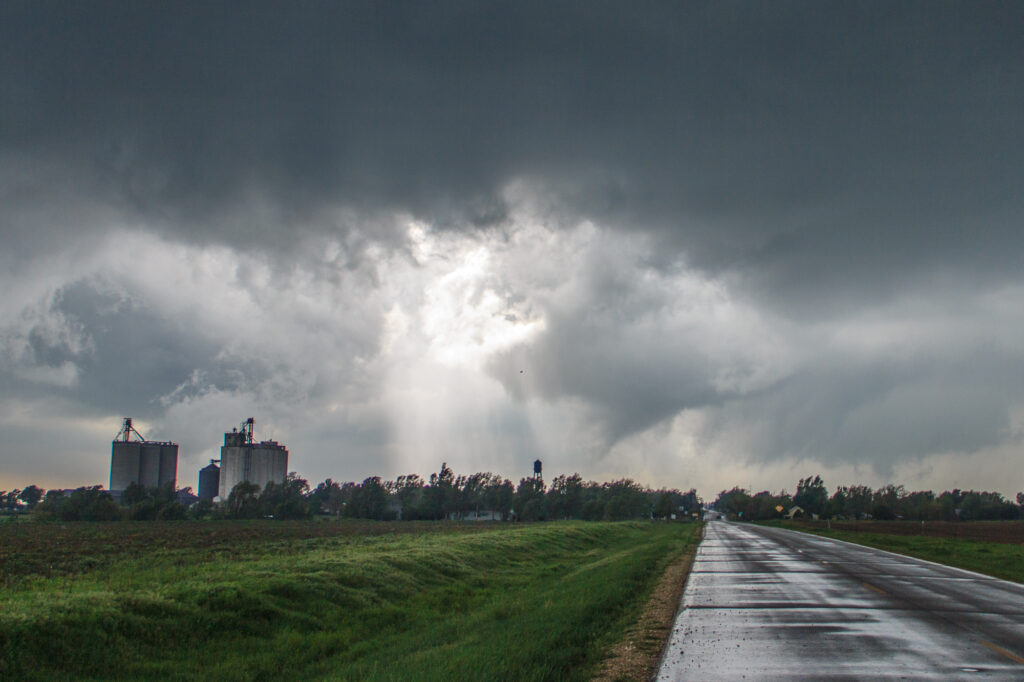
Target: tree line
point(890, 502)
point(447, 496)
point(444, 495)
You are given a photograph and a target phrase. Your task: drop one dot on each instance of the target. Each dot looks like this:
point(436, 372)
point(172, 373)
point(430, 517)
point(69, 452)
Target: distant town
point(153, 464)
point(251, 481)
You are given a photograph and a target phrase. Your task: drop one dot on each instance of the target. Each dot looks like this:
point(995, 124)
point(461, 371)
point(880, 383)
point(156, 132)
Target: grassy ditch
point(999, 560)
point(536, 602)
point(636, 656)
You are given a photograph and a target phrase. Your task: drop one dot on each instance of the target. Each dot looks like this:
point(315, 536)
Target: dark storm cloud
point(122, 354)
point(696, 205)
point(637, 342)
point(881, 411)
point(632, 391)
point(845, 144)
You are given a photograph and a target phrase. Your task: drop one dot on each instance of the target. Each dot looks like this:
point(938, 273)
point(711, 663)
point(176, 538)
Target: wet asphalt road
point(765, 603)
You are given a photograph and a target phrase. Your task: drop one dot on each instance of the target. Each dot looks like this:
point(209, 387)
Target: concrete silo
point(241, 459)
point(140, 461)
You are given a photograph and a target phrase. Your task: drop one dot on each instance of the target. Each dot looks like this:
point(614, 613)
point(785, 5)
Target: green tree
point(31, 496)
point(811, 495)
point(408, 490)
point(439, 497)
point(286, 500)
point(528, 502)
point(243, 501)
point(735, 502)
point(329, 497)
point(860, 500)
point(625, 499)
point(565, 498)
point(499, 496)
point(9, 499)
point(172, 511)
point(133, 494)
point(149, 504)
point(202, 509)
point(84, 504)
point(369, 500)
point(663, 507)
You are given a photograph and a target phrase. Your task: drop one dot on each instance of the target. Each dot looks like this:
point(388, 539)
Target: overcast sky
point(695, 244)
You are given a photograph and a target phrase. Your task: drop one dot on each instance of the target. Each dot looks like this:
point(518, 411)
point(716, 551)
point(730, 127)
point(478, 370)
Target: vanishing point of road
point(765, 603)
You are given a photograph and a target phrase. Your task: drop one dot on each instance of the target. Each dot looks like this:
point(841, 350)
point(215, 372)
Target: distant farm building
point(482, 515)
point(241, 459)
point(133, 459)
point(185, 498)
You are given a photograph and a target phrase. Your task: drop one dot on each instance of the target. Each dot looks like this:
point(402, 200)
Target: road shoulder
point(635, 658)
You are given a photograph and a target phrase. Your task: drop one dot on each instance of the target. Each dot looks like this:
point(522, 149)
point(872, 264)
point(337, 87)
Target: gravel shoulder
point(636, 656)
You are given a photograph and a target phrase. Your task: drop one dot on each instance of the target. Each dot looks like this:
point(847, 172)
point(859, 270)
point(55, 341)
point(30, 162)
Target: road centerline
point(1003, 652)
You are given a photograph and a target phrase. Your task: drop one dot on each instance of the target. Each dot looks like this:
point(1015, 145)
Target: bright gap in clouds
point(488, 349)
point(529, 341)
point(443, 406)
point(464, 319)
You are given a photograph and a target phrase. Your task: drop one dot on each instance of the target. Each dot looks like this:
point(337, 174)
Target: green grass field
point(1000, 560)
point(428, 602)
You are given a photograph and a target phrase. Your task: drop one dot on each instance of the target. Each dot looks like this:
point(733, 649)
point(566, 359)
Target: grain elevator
point(133, 459)
point(242, 459)
point(209, 481)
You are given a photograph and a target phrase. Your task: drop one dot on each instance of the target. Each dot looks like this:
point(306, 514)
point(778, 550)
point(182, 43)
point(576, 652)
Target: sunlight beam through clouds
point(688, 243)
point(489, 349)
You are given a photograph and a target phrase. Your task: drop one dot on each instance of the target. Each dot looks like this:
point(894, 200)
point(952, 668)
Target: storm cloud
point(679, 241)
